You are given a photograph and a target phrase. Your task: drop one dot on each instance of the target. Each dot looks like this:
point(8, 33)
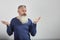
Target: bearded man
point(21, 25)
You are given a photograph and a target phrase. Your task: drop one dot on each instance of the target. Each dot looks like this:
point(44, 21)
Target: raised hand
point(5, 22)
point(36, 20)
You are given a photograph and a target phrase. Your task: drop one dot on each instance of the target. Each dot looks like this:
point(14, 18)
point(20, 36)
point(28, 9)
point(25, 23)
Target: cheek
point(20, 11)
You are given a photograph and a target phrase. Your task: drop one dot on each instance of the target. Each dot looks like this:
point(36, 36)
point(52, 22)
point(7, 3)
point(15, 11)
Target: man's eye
point(24, 10)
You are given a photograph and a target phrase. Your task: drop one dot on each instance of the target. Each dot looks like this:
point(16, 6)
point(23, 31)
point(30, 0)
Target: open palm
point(5, 22)
point(36, 19)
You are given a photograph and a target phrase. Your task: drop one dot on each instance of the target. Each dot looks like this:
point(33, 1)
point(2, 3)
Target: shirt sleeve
point(10, 28)
point(32, 28)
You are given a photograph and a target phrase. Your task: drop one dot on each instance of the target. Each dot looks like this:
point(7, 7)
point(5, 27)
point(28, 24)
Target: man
point(21, 25)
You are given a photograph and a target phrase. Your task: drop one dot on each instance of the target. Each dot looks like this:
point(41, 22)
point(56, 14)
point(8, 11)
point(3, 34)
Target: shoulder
point(30, 20)
point(13, 19)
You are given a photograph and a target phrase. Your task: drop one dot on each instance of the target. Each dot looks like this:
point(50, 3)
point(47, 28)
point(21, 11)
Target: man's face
point(22, 11)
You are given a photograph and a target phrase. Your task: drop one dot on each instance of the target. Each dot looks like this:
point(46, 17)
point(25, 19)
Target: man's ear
point(18, 11)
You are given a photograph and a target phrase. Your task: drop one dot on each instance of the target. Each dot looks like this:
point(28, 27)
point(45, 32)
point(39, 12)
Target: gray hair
point(21, 6)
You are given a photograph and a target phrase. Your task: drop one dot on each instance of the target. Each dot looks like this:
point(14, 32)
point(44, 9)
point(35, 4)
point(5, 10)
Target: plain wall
point(49, 10)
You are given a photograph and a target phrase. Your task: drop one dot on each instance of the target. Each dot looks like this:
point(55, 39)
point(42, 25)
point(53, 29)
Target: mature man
point(21, 25)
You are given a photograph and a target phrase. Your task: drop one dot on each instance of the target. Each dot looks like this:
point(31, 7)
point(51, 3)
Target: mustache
point(24, 14)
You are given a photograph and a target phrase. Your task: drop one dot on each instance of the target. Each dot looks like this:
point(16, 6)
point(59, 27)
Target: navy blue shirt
point(21, 31)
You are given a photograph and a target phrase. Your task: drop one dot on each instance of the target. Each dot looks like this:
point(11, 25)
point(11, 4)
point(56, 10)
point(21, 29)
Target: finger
point(39, 18)
point(3, 21)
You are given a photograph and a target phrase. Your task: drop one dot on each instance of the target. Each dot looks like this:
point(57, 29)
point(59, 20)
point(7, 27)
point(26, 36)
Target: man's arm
point(32, 28)
point(9, 27)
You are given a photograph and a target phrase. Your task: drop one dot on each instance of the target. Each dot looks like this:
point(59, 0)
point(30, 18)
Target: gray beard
point(22, 19)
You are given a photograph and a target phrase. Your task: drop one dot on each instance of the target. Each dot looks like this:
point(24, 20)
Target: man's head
point(22, 10)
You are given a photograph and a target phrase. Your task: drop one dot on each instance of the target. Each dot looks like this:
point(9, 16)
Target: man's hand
point(5, 22)
point(36, 20)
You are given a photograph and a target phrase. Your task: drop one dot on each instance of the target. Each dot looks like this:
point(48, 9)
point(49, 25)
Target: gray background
point(49, 10)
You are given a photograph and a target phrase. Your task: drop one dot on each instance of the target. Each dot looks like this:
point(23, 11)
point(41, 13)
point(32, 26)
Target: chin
point(24, 19)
